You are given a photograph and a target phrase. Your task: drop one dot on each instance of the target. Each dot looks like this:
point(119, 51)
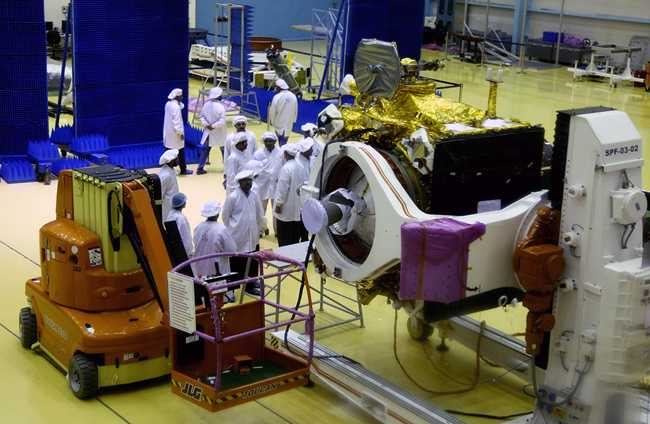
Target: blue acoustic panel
point(17, 170)
point(128, 56)
point(241, 48)
point(387, 20)
point(23, 76)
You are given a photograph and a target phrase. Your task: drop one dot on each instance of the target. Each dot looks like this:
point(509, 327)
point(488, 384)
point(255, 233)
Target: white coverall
point(173, 128)
point(214, 114)
point(230, 146)
point(184, 229)
point(283, 112)
point(305, 167)
point(168, 187)
point(272, 163)
point(244, 219)
point(235, 163)
point(212, 237)
point(319, 146)
point(286, 192)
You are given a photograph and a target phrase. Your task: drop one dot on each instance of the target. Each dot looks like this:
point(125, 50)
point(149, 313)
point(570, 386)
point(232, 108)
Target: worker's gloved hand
point(210, 127)
point(278, 208)
point(183, 137)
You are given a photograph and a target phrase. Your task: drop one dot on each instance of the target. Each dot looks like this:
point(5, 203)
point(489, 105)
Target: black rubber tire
point(27, 327)
point(418, 329)
point(83, 377)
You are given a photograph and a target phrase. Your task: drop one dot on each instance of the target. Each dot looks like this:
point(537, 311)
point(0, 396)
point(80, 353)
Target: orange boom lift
point(99, 307)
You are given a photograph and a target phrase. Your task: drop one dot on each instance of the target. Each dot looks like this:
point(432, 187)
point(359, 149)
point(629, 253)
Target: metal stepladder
point(231, 41)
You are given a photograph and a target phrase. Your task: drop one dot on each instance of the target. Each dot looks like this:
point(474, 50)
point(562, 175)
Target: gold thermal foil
point(413, 106)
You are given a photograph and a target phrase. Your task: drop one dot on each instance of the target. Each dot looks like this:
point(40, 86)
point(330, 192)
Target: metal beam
point(519, 24)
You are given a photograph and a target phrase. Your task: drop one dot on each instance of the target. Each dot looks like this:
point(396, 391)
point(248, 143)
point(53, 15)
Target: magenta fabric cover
point(434, 259)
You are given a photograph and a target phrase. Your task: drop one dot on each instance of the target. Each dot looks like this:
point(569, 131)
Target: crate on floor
point(17, 170)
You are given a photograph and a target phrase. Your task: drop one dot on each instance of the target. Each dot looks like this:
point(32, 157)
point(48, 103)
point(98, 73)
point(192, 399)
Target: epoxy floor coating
point(35, 392)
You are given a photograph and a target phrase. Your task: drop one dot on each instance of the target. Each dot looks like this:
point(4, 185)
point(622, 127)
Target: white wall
point(192, 13)
point(603, 31)
point(637, 8)
point(53, 11)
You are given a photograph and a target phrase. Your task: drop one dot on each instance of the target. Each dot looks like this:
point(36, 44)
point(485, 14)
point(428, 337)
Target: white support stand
point(350, 308)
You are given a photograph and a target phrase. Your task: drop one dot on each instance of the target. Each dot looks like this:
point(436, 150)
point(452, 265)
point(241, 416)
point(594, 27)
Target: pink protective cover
point(434, 259)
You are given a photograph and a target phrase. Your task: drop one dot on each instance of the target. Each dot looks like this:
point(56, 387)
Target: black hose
point(310, 249)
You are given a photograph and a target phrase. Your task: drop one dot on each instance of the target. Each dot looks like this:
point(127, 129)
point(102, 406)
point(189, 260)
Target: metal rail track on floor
point(381, 399)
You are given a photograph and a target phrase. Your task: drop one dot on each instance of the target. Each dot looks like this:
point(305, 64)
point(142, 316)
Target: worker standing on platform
point(283, 112)
point(237, 160)
point(174, 129)
point(213, 120)
point(211, 237)
point(168, 181)
point(179, 200)
point(287, 198)
point(243, 216)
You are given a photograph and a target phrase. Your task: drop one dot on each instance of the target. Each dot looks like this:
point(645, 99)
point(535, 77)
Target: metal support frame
point(327, 51)
point(521, 15)
point(64, 60)
point(333, 298)
point(559, 34)
point(497, 50)
point(217, 291)
point(226, 74)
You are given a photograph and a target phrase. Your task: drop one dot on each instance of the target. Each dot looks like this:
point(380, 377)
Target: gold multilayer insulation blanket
point(414, 105)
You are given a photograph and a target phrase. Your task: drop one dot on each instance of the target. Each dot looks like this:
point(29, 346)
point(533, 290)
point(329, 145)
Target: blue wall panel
point(272, 17)
point(128, 56)
point(23, 77)
point(388, 20)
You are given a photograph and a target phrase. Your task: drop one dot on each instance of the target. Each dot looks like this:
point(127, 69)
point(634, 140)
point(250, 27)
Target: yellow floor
point(35, 392)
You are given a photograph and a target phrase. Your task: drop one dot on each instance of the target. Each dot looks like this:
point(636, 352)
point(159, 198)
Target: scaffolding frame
point(327, 30)
point(233, 79)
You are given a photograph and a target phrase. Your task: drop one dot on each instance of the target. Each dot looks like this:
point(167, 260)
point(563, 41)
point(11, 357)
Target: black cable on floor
point(13, 249)
point(488, 416)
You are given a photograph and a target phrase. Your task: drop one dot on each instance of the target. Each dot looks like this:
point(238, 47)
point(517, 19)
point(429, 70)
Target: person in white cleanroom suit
point(272, 160)
point(244, 218)
point(260, 185)
point(309, 131)
point(236, 160)
point(213, 120)
point(179, 200)
point(287, 198)
point(168, 182)
point(243, 215)
point(283, 112)
point(306, 148)
point(260, 179)
point(174, 129)
point(212, 237)
point(240, 122)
